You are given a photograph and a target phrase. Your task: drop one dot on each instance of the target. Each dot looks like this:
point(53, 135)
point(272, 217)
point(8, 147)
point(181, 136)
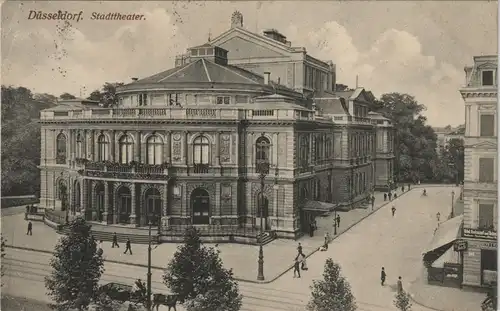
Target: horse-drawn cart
point(137, 295)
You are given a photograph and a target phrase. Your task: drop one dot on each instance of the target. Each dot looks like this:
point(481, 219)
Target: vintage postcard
point(249, 155)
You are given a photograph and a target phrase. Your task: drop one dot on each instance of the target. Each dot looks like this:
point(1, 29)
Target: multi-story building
point(186, 146)
point(480, 184)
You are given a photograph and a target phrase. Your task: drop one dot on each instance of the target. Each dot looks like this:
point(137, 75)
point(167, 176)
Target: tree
point(77, 266)
point(333, 293)
point(197, 275)
point(415, 142)
point(403, 301)
point(95, 95)
point(67, 96)
point(453, 156)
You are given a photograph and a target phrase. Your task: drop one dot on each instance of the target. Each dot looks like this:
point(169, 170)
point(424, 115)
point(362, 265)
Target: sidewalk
point(278, 255)
point(444, 298)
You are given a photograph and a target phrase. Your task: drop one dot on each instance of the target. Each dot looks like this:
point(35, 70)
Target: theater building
point(480, 180)
point(186, 146)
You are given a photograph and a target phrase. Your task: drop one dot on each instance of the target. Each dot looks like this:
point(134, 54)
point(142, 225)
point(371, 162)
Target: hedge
point(9, 202)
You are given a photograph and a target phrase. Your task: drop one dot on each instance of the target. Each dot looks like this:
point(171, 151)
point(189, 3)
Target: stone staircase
point(105, 233)
point(266, 237)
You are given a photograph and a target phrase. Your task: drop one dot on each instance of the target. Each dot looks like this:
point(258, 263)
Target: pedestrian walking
point(303, 264)
point(299, 249)
point(382, 276)
point(128, 247)
point(438, 216)
point(408, 186)
point(296, 268)
point(311, 229)
point(115, 241)
point(338, 221)
point(385, 196)
point(30, 229)
point(327, 238)
point(395, 195)
point(402, 188)
point(400, 285)
point(393, 210)
point(390, 196)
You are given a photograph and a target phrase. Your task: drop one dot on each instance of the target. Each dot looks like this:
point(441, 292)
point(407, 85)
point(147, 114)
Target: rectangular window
point(487, 77)
point(143, 99)
point(226, 100)
point(487, 125)
point(486, 215)
point(486, 170)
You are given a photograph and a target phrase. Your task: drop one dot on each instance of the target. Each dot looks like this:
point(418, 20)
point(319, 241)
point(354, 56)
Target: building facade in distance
point(185, 146)
point(480, 182)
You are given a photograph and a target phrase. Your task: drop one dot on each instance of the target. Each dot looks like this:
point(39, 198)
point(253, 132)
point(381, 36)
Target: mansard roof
point(332, 105)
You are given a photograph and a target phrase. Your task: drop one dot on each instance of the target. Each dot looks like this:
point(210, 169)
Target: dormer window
point(194, 52)
point(210, 51)
point(487, 77)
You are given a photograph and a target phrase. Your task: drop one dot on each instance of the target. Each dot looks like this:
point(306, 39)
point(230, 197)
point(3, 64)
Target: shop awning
point(318, 206)
point(449, 256)
point(446, 233)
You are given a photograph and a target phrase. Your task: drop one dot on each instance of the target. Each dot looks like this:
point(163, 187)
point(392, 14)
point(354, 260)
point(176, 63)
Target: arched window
point(262, 150)
point(126, 146)
point(61, 149)
point(79, 147)
point(103, 148)
point(154, 153)
point(201, 147)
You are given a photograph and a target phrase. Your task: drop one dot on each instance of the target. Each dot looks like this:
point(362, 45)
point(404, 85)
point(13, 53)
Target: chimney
point(135, 79)
point(267, 76)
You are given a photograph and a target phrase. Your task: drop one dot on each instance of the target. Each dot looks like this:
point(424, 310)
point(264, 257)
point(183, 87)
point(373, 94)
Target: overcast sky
point(415, 47)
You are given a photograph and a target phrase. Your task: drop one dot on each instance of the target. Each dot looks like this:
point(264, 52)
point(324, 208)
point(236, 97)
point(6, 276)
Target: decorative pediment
point(242, 44)
point(487, 107)
point(488, 65)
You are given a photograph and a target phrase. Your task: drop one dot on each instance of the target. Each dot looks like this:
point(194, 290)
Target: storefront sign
point(480, 234)
point(460, 245)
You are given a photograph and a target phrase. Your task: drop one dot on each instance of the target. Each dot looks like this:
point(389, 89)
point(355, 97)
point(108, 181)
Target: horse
point(169, 301)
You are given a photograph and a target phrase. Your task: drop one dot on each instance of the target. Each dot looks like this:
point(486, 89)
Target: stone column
point(92, 198)
point(83, 195)
point(166, 147)
point(112, 146)
point(137, 152)
point(185, 148)
point(133, 202)
point(106, 202)
point(274, 150)
point(217, 148)
point(275, 202)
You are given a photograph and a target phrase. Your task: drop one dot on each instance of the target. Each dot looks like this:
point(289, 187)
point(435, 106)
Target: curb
point(335, 237)
point(421, 304)
point(414, 187)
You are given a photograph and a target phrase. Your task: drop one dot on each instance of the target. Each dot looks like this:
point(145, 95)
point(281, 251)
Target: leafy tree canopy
point(107, 95)
point(333, 292)
point(197, 275)
point(415, 142)
point(67, 96)
point(403, 301)
point(77, 266)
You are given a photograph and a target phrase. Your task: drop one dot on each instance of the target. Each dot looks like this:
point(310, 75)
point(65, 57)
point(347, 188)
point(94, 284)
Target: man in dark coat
point(385, 196)
point(390, 195)
point(338, 220)
point(128, 247)
point(30, 229)
point(299, 249)
point(382, 276)
point(393, 210)
point(115, 241)
point(296, 268)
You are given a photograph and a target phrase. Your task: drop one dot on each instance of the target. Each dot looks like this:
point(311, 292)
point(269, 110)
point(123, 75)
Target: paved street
point(380, 240)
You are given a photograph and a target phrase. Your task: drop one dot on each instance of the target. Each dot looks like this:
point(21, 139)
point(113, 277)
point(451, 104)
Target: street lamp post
point(148, 298)
point(335, 220)
point(263, 168)
point(452, 201)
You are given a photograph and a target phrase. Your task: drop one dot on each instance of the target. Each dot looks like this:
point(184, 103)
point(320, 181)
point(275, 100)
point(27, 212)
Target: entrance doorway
point(200, 203)
point(488, 266)
point(153, 206)
point(124, 205)
point(262, 212)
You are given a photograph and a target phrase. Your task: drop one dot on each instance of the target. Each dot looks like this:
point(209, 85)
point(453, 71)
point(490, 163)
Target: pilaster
point(112, 146)
point(185, 148)
point(137, 147)
point(133, 203)
point(166, 147)
point(217, 148)
point(106, 202)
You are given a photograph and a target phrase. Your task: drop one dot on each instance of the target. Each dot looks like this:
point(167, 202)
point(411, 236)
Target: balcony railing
point(480, 233)
point(200, 168)
point(126, 171)
point(177, 113)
